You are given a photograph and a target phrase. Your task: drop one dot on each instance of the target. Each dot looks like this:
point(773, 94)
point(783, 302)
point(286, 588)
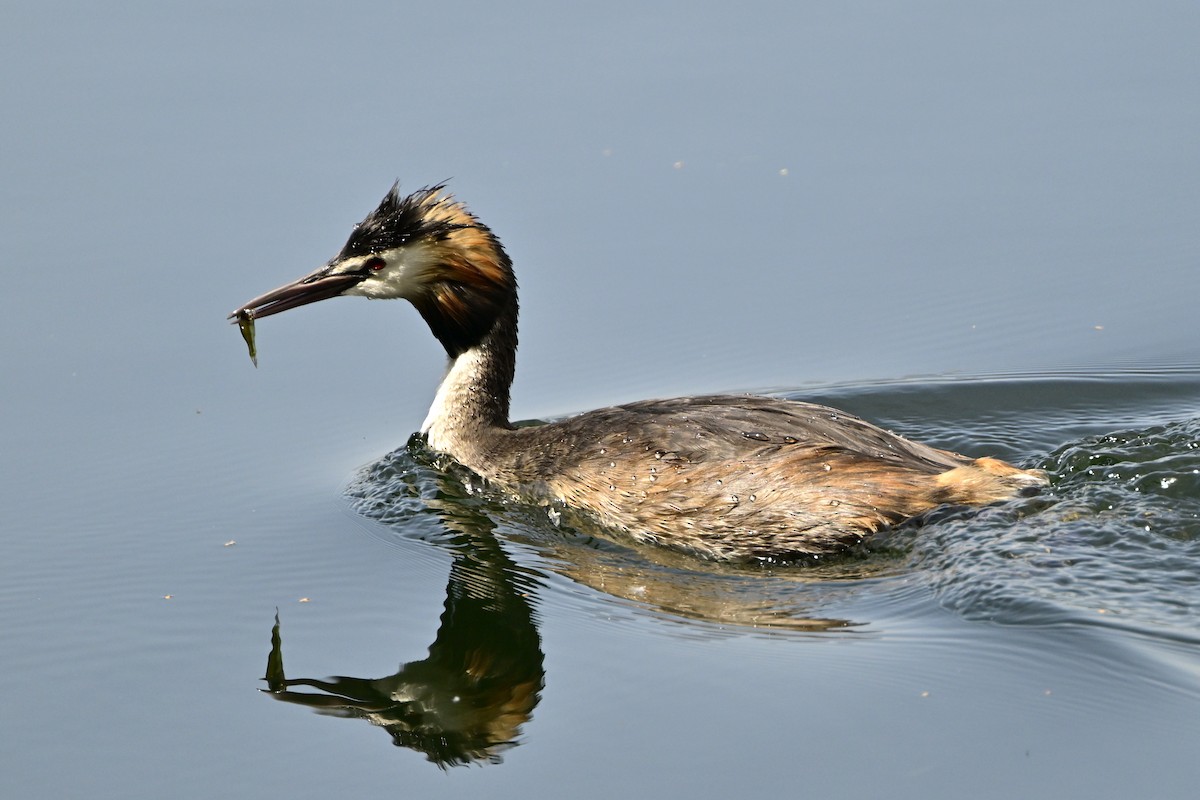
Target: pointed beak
point(320, 285)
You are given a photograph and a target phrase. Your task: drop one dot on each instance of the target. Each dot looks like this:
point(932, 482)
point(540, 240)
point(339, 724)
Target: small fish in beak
point(320, 285)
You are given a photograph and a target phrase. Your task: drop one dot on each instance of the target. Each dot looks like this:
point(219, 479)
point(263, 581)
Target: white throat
point(456, 398)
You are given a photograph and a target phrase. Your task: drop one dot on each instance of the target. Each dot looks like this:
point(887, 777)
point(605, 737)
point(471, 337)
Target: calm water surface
point(972, 224)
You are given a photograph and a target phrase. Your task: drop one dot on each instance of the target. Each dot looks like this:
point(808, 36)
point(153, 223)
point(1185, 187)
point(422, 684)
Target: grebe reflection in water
point(734, 478)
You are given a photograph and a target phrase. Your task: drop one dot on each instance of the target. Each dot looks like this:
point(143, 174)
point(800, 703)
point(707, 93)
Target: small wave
point(1115, 540)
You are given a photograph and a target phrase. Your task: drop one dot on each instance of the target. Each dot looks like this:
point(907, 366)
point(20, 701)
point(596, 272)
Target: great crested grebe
point(733, 478)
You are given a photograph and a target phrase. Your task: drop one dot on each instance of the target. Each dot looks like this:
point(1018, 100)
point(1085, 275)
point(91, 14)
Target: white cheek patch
point(406, 270)
point(376, 286)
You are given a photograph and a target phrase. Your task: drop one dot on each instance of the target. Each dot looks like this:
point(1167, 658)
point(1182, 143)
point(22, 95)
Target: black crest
point(398, 221)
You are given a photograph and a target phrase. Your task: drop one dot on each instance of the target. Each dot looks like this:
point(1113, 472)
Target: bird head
point(426, 248)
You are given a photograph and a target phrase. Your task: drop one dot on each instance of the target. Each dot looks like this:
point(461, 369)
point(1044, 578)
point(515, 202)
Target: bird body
point(726, 477)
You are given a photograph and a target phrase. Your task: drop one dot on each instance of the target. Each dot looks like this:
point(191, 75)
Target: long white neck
point(456, 396)
point(471, 404)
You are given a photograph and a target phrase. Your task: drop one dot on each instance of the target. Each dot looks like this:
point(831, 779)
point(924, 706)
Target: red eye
point(375, 263)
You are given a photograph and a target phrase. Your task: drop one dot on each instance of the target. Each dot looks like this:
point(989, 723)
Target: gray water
point(974, 224)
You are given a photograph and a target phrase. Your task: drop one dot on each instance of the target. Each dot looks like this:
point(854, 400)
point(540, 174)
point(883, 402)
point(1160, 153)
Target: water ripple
point(1114, 541)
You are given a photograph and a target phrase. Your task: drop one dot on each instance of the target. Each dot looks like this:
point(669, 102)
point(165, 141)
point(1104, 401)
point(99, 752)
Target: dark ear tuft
point(397, 221)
